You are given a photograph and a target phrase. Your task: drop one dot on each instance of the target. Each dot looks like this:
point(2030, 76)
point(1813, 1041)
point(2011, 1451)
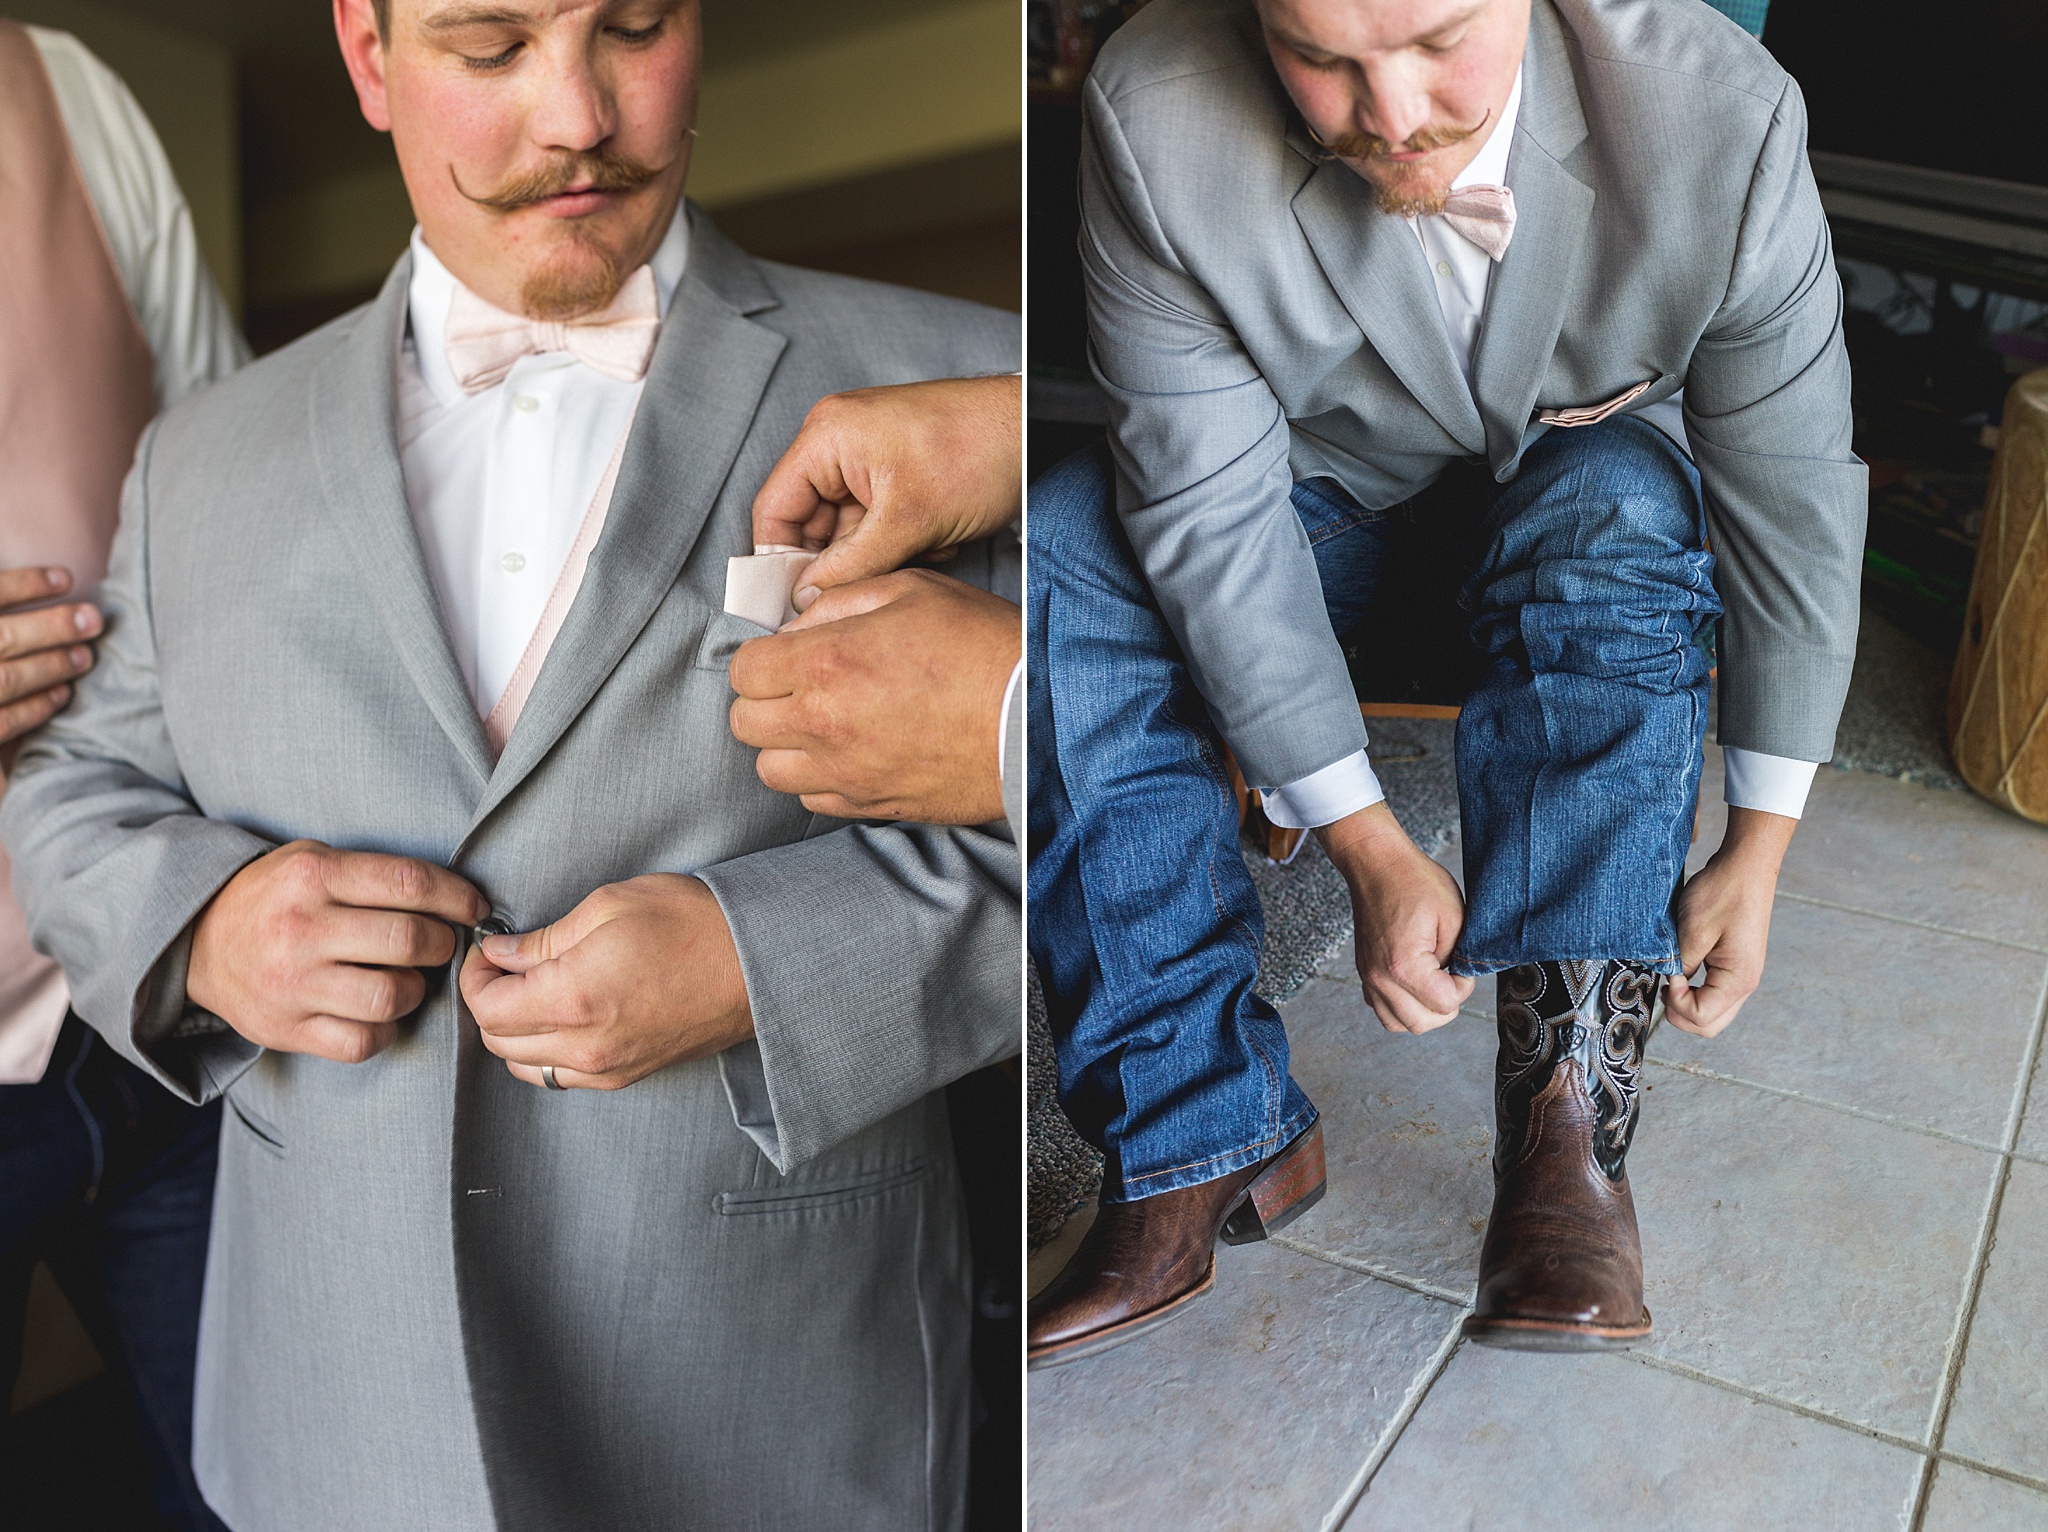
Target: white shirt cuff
point(1003, 718)
point(1773, 784)
point(1324, 797)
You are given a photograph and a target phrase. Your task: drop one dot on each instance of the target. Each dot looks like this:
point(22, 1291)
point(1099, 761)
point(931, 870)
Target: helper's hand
point(881, 701)
point(40, 651)
point(313, 950)
point(1407, 913)
point(640, 975)
point(1724, 921)
point(881, 476)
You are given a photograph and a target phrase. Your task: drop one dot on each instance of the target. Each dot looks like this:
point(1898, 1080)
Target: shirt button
point(526, 404)
point(1443, 269)
point(512, 563)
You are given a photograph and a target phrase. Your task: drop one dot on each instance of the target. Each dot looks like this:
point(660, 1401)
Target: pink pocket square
point(1592, 414)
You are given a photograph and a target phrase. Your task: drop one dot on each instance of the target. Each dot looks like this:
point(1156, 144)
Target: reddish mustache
point(603, 170)
point(1370, 146)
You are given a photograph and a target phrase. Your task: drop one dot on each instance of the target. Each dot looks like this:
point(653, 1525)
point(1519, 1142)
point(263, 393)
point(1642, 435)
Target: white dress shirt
point(499, 481)
point(1461, 271)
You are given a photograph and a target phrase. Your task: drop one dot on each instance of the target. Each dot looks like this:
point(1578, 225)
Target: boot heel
point(1283, 1191)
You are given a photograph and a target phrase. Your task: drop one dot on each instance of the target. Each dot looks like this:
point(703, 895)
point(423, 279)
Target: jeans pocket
point(1325, 509)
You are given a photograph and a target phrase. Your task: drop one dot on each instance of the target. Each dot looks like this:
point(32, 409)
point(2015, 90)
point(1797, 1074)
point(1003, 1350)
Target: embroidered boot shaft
point(1595, 1013)
point(1561, 1268)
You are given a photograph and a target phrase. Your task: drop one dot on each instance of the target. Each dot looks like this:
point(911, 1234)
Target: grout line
point(2016, 1118)
point(1908, 920)
point(2010, 1475)
point(1987, 1237)
point(1761, 1396)
point(1647, 1359)
point(1701, 1072)
point(1385, 1274)
point(1930, 1452)
point(1418, 1390)
point(1924, 1474)
point(1686, 1370)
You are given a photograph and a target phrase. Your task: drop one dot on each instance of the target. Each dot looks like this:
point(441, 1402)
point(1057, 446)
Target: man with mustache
point(417, 638)
point(1494, 342)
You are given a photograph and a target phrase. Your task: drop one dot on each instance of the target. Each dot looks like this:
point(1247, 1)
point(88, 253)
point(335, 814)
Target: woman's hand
point(41, 651)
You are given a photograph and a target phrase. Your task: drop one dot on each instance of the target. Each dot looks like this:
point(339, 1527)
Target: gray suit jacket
point(1256, 320)
point(732, 1296)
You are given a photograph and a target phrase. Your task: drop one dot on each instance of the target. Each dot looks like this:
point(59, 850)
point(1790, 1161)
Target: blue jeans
point(1570, 604)
point(109, 1178)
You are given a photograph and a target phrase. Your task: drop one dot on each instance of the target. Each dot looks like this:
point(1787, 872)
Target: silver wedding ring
point(547, 1078)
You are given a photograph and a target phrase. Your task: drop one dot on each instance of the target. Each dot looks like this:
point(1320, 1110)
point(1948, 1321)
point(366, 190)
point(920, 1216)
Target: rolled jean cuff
point(1471, 966)
point(1215, 1168)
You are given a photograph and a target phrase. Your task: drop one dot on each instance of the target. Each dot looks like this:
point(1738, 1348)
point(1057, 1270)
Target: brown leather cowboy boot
point(1562, 1268)
point(1142, 1263)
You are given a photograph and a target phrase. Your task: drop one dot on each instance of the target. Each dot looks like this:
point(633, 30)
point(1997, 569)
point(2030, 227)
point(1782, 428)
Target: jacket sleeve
point(1767, 413)
point(1201, 449)
point(111, 859)
point(882, 962)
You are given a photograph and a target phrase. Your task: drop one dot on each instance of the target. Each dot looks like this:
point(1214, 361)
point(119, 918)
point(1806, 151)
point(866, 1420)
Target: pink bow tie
point(1485, 215)
point(483, 341)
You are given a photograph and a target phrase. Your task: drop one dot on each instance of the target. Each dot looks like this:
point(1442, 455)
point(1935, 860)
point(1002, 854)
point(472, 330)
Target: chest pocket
point(722, 637)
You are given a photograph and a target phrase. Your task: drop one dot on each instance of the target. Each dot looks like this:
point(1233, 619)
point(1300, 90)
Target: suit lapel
point(1376, 265)
point(355, 452)
point(704, 383)
point(1526, 301)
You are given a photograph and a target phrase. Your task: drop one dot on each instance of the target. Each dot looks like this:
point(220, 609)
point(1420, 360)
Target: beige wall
point(926, 87)
point(815, 96)
point(854, 104)
point(187, 89)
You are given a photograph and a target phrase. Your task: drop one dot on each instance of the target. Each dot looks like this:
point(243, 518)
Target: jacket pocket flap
point(261, 1131)
point(793, 1196)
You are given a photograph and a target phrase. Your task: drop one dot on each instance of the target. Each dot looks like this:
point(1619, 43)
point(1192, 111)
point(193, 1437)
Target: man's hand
point(1407, 913)
point(40, 651)
point(1724, 921)
point(881, 701)
point(640, 975)
point(313, 950)
point(886, 475)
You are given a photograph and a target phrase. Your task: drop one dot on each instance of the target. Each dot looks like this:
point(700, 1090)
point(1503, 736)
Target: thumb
point(878, 545)
point(848, 601)
point(525, 951)
point(1444, 992)
point(1447, 992)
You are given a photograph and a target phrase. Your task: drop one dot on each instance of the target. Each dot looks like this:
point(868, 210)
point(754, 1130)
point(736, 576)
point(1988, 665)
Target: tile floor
point(1845, 1228)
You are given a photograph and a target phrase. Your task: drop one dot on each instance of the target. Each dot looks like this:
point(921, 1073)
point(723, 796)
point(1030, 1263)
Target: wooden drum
point(1998, 698)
